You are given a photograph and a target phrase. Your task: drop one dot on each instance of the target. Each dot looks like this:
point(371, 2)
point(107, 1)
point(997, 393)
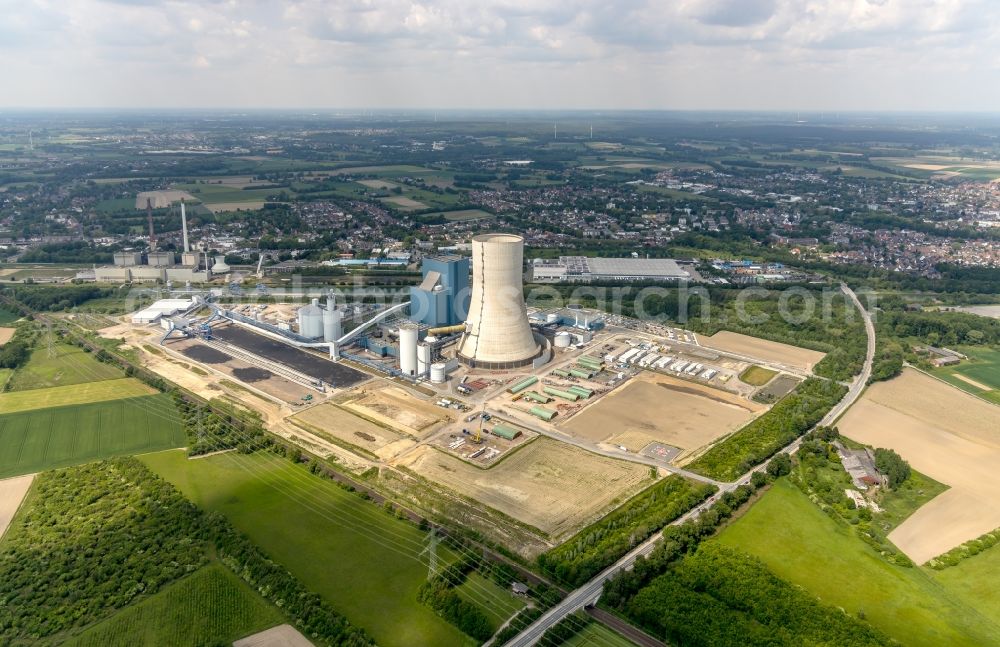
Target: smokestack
point(149, 217)
point(184, 227)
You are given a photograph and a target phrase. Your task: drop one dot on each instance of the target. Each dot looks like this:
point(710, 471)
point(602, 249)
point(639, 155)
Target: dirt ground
point(12, 492)
point(161, 199)
point(397, 408)
point(404, 202)
point(969, 380)
point(330, 420)
point(280, 636)
point(6, 334)
point(948, 435)
point(658, 408)
point(769, 351)
point(547, 484)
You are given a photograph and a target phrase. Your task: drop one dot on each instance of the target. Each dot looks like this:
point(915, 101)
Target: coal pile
point(206, 354)
point(251, 374)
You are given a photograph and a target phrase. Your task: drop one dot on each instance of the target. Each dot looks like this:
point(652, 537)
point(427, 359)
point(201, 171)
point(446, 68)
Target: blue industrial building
point(442, 298)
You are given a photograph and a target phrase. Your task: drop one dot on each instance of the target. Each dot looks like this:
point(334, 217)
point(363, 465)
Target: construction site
point(465, 388)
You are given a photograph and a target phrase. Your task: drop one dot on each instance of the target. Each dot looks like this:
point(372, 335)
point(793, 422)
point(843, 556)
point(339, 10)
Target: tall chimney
point(184, 227)
point(149, 217)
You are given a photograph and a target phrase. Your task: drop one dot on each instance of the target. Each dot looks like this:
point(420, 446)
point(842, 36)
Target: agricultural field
point(12, 492)
point(946, 434)
point(757, 375)
point(371, 562)
point(459, 216)
point(65, 365)
point(404, 203)
point(806, 547)
point(209, 606)
point(552, 486)
point(249, 205)
point(64, 396)
point(980, 375)
point(6, 334)
point(211, 194)
point(769, 351)
point(659, 408)
point(32, 441)
point(974, 582)
point(330, 422)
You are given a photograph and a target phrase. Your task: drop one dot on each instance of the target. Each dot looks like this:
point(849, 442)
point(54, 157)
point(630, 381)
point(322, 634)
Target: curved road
point(591, 591)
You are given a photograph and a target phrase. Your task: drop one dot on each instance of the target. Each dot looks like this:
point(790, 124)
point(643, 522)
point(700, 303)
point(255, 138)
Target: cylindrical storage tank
point(423, 359)
point(332, 326)
point(438, 372)
point(408, 349)
point(497, 333)
point(311, 321)
point(562, 340)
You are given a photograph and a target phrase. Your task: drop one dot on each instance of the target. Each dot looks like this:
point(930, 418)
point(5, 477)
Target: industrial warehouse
point(460, 376)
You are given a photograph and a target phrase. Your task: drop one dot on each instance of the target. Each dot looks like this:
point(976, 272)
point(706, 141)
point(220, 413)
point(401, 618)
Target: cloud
point(505, 53)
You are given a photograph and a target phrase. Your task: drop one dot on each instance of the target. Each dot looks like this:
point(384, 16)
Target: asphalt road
point(591, 591)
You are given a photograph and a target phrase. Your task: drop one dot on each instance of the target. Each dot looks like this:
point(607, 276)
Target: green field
point(983, 367)
point(459, 216)
point(33, 441)
point(70, 394)
point(68, 365)
point(474, 589)
point(8, 317)
point(975, 582)
point(365, 563)
point(757, 375)
point(806, 547)
point(211, 606)
point(218, 193)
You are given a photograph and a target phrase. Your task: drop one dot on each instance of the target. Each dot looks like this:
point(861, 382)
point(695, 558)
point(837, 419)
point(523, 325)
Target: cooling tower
point(497, 334)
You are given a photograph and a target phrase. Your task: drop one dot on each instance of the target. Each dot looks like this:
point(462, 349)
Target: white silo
point(408, 349)
point(497, 331)
point(563, 339)
point(438, 372)
point(332, 324)
point(311, 320)
point(423, 358)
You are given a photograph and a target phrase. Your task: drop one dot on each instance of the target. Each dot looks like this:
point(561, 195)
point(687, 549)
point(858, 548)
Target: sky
point(894, 55)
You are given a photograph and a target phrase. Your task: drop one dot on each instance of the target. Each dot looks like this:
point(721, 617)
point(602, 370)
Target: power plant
point(497, 334)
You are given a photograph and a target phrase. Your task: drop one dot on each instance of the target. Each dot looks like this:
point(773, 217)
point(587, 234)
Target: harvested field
point(161, 199)
point(948, 435)
point(659, 408)
point(403, 202)
point(12, 492)
point(397, 408)
point(333, 423)
point(769, 351)
point(281, 636)
point(6, 334)
point(547, 484)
